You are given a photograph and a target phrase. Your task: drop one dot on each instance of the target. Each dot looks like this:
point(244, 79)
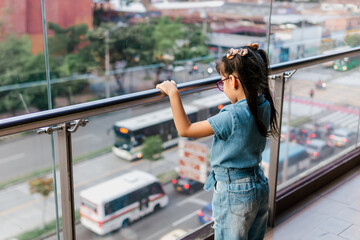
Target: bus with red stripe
point(118, 202)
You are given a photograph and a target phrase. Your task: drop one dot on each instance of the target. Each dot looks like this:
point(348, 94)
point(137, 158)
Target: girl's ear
point(234, 81)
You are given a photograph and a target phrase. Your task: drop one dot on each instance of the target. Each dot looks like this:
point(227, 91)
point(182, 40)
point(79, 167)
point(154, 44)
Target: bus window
point(139, 139)
point(89, 205)
point(156, 189)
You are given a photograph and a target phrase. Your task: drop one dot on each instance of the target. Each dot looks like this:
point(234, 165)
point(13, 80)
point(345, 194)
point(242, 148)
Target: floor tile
point(315, 234)
point(348, 192)
point(326, 206)
point(335, 225)
point(349, 215)
point(335, 215)
point(331, 236)
point(356, 204)
point(352, 233)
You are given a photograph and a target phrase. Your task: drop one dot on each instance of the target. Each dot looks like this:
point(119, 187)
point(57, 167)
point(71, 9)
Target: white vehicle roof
point(152, 118)
point(211, 101)
point(118, 186)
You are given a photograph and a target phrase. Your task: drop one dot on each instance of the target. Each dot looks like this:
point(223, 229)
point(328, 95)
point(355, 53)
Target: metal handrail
point(65, 114)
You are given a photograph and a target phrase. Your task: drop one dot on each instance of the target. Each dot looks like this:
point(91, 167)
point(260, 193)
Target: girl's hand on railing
point(168, 87)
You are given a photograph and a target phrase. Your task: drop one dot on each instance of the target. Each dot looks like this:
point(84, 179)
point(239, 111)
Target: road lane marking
point(198, 201)
point(187, 217)
point(12, 158)
point(189, 199)
point(32, 202)
point(107, 174)
point(27, 204)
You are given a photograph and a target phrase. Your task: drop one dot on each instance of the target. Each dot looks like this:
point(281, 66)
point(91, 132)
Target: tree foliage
point(353, 40)
point(43, 186)
point(18, 65)
point(77, 50)
point(152, 147)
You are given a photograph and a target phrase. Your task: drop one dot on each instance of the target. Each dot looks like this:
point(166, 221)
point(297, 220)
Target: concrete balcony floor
point(333, 213)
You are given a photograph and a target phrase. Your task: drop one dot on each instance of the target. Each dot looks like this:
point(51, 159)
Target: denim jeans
point(240, 204)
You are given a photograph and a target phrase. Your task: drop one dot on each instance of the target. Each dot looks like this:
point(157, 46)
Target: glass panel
point(27, 204)
point(22, 71)
point(100, 157)
point(303, 29)
point(320, 120)
point(105, 49)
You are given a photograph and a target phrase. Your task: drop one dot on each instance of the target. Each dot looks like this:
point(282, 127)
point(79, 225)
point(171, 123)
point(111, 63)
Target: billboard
point(193, 160)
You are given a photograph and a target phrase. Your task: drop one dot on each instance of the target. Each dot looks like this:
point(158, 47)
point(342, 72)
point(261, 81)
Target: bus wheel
point(157, 208)
point(126, 223)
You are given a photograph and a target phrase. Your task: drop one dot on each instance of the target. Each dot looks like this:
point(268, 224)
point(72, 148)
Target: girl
point(240, 199)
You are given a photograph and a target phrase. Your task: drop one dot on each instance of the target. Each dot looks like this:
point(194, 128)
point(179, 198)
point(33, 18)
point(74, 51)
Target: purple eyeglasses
point(220, 84)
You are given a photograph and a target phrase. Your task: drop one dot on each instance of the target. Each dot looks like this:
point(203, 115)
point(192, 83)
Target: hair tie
point(254, 46)
point(232, 52)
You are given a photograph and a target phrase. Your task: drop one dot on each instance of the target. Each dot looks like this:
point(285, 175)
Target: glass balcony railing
point(90, 158)
point(100, 60)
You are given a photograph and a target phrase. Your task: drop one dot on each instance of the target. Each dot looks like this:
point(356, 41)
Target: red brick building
point(25, 17)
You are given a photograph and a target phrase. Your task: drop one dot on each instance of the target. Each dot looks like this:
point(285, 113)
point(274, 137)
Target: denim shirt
point(237, 141)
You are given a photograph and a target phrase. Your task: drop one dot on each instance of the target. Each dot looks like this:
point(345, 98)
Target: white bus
point(131, 133)
point(118, 202)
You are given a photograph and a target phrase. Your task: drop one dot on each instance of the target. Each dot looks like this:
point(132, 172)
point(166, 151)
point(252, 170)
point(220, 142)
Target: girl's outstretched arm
point(184, 127)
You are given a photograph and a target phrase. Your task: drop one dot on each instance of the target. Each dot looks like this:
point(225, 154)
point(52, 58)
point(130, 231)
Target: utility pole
point(203, 15)
point(107, 65)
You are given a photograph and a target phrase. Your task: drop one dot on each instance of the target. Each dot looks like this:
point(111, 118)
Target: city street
point(16, 199)
point(181, 213)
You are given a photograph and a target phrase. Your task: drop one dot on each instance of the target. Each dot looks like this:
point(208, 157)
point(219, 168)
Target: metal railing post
point(66, 181)
point(275, 146)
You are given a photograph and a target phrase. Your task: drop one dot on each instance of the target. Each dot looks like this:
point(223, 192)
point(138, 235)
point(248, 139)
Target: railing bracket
point(74, 126)
point(48, 130)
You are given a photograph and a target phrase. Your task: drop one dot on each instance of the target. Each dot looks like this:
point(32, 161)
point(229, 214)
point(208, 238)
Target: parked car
point(292, 133)
point(205, 214)
point(319, 149)
point(301, 136)
point(186, 185)
point(329, 128)
point(343, 137)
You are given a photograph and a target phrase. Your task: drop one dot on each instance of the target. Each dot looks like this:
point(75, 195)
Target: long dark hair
point(252, 71)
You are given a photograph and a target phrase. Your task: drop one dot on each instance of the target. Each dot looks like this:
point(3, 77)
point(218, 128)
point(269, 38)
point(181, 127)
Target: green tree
point(353, 40)
point(43, 186)
point(68, 56)
point(18, 65)
point(152, 147)
point(176, 41)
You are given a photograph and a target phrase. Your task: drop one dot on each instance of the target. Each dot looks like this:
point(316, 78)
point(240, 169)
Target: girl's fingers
point(158, 86)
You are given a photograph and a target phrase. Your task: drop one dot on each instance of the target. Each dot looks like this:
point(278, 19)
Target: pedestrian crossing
point(322, 112)
point(350, 80)
point(300, 109)
point(341, 119)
